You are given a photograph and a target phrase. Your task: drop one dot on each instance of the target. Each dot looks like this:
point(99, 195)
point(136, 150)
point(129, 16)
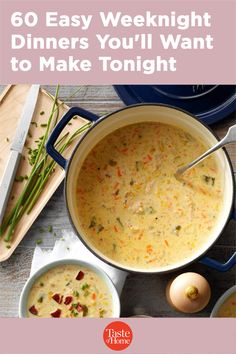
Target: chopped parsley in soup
point(132, 208)
point(69, 291)
point(228, 308)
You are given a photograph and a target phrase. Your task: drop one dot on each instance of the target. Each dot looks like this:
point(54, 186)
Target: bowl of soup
point(69, 288)
point(226, 305)
point(122, 195)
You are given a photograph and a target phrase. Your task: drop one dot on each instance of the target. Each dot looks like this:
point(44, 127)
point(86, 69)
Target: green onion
point(209, 179)
point(112, 163)
point(50, 228)
point(85, 286)
point(93, 222)
point(85, 310)
point(120, 222)
point(100, 228)
point(74, 313)
point(42, 168)
point(131, 182)
point(76, 293)
point(86, 293)
point(150, 210)
point(137, 165)
point(101, 313)
point(40, 299)
point(19, 179)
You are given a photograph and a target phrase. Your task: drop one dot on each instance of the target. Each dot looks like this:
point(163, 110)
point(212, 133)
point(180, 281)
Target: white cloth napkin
point(69, 246)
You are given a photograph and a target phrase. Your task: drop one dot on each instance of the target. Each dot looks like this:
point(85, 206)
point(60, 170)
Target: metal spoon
point(230, 137)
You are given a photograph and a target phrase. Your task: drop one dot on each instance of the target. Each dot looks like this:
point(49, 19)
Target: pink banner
point(149, 336)
point(111, 42)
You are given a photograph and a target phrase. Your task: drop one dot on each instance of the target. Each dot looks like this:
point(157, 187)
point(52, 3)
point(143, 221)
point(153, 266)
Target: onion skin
point(188, 292)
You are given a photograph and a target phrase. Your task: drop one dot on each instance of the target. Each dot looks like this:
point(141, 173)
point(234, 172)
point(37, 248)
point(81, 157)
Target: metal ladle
point(230, 137)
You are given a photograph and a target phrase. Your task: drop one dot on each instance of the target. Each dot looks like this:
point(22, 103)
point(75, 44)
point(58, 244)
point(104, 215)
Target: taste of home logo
point(117, 335)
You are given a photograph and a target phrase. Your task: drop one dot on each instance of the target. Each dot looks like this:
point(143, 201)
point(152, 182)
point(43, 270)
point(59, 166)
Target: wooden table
point(142, 294)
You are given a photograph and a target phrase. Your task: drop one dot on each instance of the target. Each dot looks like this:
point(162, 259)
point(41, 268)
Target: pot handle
point(234, 215)
point(50, 145)
point(221, 267)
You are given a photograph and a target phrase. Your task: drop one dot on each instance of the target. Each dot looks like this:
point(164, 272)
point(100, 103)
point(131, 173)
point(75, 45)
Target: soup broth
point(228, 308)
point(132, 208)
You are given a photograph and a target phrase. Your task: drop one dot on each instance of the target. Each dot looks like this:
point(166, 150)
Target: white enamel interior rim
point(151, 113)
point(101, 273)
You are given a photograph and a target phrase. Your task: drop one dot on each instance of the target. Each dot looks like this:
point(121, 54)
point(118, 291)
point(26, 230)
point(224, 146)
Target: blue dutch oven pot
point(129, 115)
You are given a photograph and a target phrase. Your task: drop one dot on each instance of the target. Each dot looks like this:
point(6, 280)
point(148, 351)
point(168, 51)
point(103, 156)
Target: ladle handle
point(230, 137)
point(50, 145)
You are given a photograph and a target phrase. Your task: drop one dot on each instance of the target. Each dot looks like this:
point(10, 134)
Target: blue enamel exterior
point(50, 147)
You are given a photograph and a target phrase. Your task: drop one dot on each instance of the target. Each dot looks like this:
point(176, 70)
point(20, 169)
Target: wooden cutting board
point(12, 101)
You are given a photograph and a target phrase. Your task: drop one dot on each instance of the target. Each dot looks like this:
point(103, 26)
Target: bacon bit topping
point(56, 313)
point(68, 300)
point(58, 298)
point(33, 310)
point(82, 308)
point(80, 275)
point(94, 296)
point(79, 308)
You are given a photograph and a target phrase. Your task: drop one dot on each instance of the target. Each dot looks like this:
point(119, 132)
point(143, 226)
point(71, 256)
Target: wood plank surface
point(142, 294)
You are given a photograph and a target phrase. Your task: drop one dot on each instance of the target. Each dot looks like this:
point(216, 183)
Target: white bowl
point(95, 269)
point(221, 300)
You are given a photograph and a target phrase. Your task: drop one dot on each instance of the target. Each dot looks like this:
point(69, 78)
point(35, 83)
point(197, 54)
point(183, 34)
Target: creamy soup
point(132, 208)
point(228, 308)
point(69, 291)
